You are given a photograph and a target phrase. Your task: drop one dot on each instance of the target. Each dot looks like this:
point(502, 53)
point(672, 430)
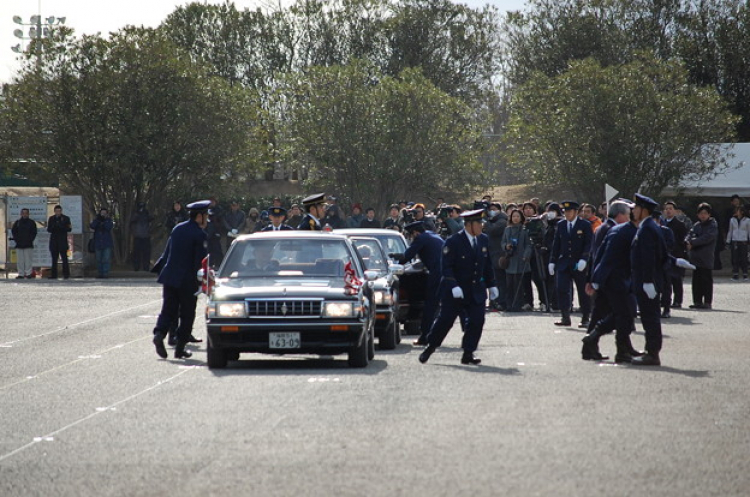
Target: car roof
point(367, 231)
point(275, 235)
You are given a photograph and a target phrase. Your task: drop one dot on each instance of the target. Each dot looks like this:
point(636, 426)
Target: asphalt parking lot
point(87, 408)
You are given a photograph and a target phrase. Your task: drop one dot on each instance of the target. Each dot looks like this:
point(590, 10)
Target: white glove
point(457, 292)
point(551, 268)
point(494, 293)
point(234, 231)
point(650, 290)
point(581, 266)
point(683, 263)
point(595, 286)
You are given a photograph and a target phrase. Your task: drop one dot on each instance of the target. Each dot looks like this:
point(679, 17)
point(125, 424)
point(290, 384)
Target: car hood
point(243, 288)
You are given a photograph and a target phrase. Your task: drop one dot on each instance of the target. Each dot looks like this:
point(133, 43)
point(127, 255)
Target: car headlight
point(230, 309)
point(382, 297)
point(338, 309)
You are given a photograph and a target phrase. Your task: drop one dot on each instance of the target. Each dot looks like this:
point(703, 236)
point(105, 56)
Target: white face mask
point(551, 215)
point(493, 213)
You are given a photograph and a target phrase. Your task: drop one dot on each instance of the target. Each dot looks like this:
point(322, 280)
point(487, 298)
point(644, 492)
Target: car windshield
point(290, 257)
point(371, 253)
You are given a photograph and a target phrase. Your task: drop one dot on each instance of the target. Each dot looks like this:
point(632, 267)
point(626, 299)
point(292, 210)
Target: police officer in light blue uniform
point(178, 267)
point(568, 260)
point(466, 275)
point(429, 247)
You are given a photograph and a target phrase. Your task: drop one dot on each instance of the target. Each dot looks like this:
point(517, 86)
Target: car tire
point(358, 355)
point(388, 336)
point(217, 359)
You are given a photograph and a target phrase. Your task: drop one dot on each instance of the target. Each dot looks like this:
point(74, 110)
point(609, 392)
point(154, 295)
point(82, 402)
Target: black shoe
point(426, 353)
point(172, 340)
point(29, 277)
point(676, 306)
point(192, 339)
point(182, 354)
point(159, 344)
point(468, 358)
point(646, 360)
point(623, 358)
point(591, 353)
point(419, 341)
point(583, 324)
point(563, 322)
point(19, 277)
point(636, 353)
point(697, 306)
point(665, 314)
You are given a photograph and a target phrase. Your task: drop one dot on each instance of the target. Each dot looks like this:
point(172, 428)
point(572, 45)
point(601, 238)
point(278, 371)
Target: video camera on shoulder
point(481, 204)
point(444, 211)
point(535, 227)
point(407, 216)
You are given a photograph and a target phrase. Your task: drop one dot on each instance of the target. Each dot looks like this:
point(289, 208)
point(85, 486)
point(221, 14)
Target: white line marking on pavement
point(80, 359)
point(69, 326)
point(51, 436)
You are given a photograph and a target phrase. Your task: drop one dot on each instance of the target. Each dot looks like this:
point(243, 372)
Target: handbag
point(503, 262)
point(92, 246)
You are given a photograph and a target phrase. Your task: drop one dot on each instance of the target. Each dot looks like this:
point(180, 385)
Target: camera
point(407, 216)
point(535, 227)
point(444, 211)
point(481, 204)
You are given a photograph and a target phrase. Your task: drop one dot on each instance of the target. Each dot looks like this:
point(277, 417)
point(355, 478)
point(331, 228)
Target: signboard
point(72, 206)
point(37, 208)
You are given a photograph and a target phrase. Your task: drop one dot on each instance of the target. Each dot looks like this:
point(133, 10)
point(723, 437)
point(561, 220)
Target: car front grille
point(283, 308)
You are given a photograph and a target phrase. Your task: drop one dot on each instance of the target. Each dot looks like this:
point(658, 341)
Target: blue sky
point(88, 17)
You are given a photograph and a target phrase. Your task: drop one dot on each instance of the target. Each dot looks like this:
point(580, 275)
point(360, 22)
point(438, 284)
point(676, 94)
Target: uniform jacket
point(467, 268)
point(102, 232)
point(569, 248)
point(309, 223)
point(517, 236)
point(648, 256)
point(59, 229)
point(612, 264)
point(680, 231)
point(429, 247)
point(599, 236)
point(183, 256)
point(282, 227)
point(24, 233)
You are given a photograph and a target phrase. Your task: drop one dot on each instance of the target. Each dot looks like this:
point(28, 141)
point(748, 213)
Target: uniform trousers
point(450, 309)
point(703, 286)
point(650, 320)
point(565, 280)
point(177, 302)
point(676, 277)
point(614, 306)
point(431, 303)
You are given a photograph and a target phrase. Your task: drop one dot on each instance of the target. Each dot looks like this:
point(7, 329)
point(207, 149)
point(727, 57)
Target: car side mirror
point(371, 275)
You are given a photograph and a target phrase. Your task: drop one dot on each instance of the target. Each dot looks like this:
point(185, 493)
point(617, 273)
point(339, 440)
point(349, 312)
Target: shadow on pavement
point(690, 373)
point(298, 366)
point(482, 369)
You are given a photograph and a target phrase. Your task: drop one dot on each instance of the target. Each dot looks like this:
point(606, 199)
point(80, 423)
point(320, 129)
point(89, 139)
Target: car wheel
point(388, 336)
point(358, 355)
point(217, 359)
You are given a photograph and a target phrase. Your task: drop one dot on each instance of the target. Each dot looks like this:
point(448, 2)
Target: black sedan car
point(289, 292)
point(385, 290)
point(412, 283)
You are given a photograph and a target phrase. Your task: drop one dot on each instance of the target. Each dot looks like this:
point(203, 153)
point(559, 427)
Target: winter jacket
point(517, 236)
point(102, 227)
point(24, 233)
point(702, 238)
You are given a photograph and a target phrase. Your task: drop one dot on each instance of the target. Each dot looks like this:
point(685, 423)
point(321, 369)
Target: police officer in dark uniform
point(429, 247)
point(568, 260)
point(277, 215)
point(314, 206)
point(611, 281)
point(648, 256)
point(466, 275)
point(178, 267)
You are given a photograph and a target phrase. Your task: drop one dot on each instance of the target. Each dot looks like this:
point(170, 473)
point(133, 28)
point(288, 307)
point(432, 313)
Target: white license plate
point(284, 340)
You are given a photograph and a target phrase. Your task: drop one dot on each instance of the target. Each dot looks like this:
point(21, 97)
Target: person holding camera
point(103, 243)
point(518, 251)
point(494, 228)
point(418, 212)
point(59, 226)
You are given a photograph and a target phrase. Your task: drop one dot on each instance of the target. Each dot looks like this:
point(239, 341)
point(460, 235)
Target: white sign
point(609, 192)
point(72, 206)
point(42, 256)
point(37, 208)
